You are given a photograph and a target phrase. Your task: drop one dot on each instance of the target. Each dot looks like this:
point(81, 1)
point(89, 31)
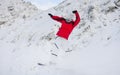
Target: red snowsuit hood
point(66, 28)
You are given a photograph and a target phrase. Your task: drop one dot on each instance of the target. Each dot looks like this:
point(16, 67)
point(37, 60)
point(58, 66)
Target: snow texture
point(29, 45)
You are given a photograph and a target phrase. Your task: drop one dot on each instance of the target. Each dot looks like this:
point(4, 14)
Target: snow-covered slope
point(12, 9)
point(29, 46)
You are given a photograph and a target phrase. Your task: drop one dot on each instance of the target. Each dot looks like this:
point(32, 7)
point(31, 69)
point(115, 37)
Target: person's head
point(68, 18)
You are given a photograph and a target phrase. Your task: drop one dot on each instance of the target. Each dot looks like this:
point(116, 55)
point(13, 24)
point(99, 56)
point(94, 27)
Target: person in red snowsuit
point(67, 25)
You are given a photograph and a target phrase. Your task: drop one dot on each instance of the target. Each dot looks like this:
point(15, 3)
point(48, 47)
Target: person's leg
point(62, 43)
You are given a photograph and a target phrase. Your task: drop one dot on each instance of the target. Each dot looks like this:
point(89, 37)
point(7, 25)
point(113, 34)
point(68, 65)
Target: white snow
point(45, 4)
point(28, 39)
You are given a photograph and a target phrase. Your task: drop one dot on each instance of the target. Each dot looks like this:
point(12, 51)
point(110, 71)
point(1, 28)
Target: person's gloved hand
point(50, 14)
point(74, 11)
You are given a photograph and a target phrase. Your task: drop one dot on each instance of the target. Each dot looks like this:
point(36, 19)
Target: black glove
point(50, 14)
point(74, 11)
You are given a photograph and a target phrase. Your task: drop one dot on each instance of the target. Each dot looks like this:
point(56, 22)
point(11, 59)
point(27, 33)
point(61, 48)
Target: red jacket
point(66, 28)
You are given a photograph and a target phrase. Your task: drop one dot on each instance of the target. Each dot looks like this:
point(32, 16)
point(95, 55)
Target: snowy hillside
point(12, 9)
point(28, 44)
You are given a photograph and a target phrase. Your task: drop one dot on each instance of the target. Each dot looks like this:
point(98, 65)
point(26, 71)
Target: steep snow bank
point(11, 9)
point(28, 46)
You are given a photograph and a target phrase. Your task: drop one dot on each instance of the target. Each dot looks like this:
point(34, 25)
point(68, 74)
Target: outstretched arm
point(77, 17)
point(57, 18)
